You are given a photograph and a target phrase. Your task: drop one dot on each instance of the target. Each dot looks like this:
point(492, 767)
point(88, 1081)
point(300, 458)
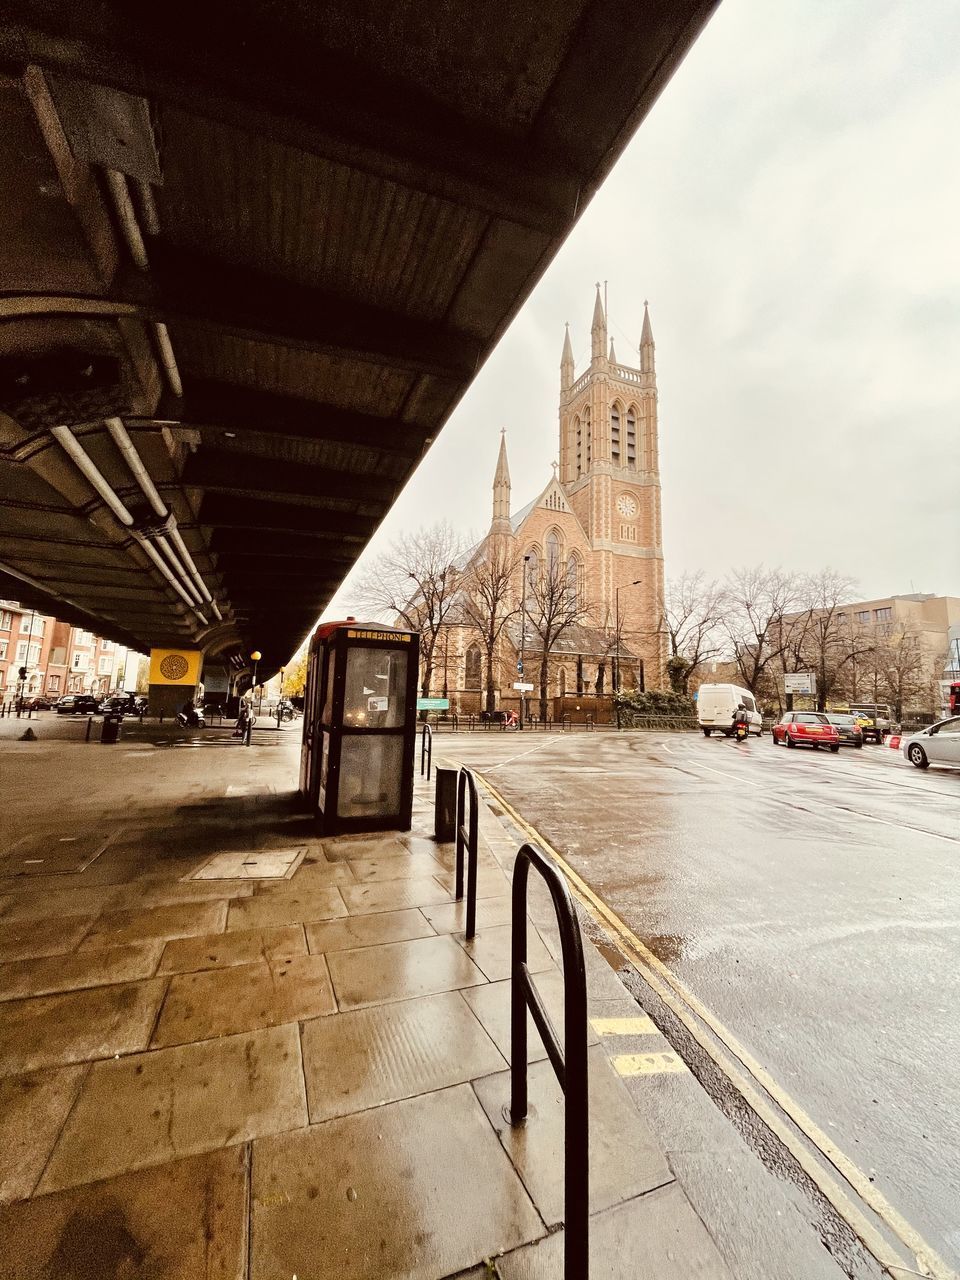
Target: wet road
point(811, 901)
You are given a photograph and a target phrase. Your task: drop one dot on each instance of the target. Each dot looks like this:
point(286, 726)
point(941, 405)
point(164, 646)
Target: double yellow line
point(745, 1073)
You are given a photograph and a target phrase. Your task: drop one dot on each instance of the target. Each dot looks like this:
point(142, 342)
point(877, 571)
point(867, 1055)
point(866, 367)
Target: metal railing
point(467, 842)
point(426, 751)
point(570, 1062)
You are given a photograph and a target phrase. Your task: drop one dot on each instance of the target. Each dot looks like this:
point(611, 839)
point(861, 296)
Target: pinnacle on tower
point(501, 484)
point(566, 362)
point(598, 330)
point(613, 354)
point(647, 345)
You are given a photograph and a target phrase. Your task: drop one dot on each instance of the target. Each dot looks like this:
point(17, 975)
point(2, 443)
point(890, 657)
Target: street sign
point(800, 682)
point(433, 704)
point(519, 668)
point(523, 688)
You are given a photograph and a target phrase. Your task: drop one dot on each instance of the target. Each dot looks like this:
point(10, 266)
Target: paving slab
point(316, 874)
point(367, 931)
point(166, 892)
point(490, 951)
point(160, 1106)
point(77, 1026)
point(292, 907)
point(345, 848)
point(402, 866)
point(180, 920)
point(400, 971)
point(33, 1108)
point(418, 1189)
point(372, 1056)
point(654, 1237)
point(182, 1221)
point(222, 1002)
point(491, 882)
point(624, 1158)
point(491, 1004)
point(451, 917)
point(393, 895)
point(79, 969)
point(237, 946)
point(23, 939)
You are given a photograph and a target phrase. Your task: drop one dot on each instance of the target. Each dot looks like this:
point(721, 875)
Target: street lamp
point(523, 634)
point(255, 658)
point(616, 653)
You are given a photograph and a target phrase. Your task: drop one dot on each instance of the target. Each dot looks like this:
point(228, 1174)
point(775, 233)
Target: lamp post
point(616, 652)
point(523, 634)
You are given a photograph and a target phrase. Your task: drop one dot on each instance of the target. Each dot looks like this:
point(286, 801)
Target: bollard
point(89, 727)
point(445, 804)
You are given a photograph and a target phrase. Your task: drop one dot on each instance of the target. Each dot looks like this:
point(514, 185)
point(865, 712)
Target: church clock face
point(627, 506)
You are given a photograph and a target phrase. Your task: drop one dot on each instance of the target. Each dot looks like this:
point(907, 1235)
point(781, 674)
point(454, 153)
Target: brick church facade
point(596, 523)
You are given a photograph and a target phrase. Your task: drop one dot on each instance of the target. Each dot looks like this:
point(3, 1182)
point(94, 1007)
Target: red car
point(806, 728)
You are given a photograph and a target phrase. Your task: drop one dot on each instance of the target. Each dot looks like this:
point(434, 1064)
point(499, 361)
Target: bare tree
point(900, 672)
point(692, 614)
point(553, 605)
point(489, 601)
point(755, 603)
point(823, 633)
point(415, 583)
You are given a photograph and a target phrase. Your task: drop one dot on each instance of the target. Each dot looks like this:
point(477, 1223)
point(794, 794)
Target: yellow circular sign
point(174, 666)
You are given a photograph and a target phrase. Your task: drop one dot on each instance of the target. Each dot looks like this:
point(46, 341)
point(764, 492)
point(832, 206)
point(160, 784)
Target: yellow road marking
point(688, 1009)
point(647, 1064)
point(643, 1026)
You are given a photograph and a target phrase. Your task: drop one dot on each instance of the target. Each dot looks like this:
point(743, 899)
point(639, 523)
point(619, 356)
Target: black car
point(78, 704)
point(848, 727)
point(37, 702)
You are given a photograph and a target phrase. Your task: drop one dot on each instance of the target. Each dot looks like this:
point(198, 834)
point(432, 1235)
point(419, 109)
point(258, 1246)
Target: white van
point(716, 704)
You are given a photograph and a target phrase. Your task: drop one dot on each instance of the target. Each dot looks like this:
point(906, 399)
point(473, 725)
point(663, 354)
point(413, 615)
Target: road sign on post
point(522, 687)
point(433, 704)
point(800, 682)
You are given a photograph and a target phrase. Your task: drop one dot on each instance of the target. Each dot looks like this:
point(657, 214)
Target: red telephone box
point(359, 727)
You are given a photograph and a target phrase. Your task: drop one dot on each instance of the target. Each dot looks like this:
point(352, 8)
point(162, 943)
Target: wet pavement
point(232, 1049)
point(811, 902)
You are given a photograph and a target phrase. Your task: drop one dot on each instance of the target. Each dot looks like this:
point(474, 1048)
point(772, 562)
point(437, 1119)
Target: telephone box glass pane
point(375, 691)
point(327, 715)
point(371, 775)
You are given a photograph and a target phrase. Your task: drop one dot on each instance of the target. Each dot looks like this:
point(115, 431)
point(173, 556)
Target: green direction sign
point(433, 704)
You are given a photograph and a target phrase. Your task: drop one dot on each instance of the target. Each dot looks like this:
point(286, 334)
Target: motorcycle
point(192, 719)
point(740, 730)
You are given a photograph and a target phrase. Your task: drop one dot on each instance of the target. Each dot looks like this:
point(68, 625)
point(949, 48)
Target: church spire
point(598, 330)
point(566, 362)
point(647, 345)
point(501, 484)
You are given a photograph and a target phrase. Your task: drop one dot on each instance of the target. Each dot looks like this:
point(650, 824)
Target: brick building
point(59, 658)
point(598, 518)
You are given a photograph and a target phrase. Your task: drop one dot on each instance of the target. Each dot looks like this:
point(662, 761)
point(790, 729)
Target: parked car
point(716, 704)
point(848, 727)
point(37, 702)
point(936, 744)
point(874, 719)
point(77, 704)
point(119, 704)
point(806, 728)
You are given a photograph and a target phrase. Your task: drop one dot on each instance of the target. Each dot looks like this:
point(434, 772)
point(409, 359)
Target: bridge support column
point(174, 677)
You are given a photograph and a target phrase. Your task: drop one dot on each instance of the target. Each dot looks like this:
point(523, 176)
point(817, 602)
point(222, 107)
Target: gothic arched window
point(615, 435)
point(632, 438)
point(531, 576)
point(586, 428)
point(553, 553)
point(471, 672)
point(574, 580)
point(579, 431)
point(562, 681)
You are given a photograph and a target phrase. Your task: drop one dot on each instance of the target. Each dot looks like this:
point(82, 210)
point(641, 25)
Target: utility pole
point(523, 635)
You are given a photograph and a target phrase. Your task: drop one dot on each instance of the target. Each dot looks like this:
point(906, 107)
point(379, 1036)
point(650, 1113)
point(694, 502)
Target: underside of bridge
point(251, 257)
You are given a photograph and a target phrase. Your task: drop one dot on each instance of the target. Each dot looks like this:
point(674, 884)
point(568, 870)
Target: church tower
point(610, 472)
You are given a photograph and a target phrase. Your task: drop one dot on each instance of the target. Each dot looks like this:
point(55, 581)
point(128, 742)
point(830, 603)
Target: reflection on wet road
point(811, 901)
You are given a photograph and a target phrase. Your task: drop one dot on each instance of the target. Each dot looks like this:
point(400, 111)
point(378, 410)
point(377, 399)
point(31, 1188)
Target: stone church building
point(597, 524)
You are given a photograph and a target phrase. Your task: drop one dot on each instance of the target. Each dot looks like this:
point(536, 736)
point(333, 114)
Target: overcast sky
point(791, 208)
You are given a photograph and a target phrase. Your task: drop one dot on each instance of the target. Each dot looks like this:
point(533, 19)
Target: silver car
point(937, 744)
